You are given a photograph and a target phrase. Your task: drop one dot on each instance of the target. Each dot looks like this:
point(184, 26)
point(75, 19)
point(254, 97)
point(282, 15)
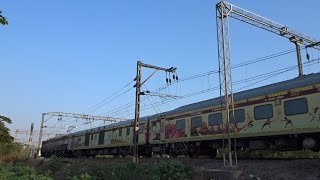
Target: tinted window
point(180, 124)
point(196, 122)
point(263, 112)
point(120, 132)
point(101, 138)
point(239, 116)
point(296, 106)
point(128, 131)
point(87, 139)
point(215, 119)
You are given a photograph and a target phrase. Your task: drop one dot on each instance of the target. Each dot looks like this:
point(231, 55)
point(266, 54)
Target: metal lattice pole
point(225, 72)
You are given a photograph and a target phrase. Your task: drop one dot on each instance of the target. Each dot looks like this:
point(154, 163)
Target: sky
point(67, 56)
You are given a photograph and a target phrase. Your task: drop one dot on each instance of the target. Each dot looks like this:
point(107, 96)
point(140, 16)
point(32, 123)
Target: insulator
point(308, 56)
point(174, 77)
point(170, 81)
point(167, 80)
point(177, 77)
point(147, 91)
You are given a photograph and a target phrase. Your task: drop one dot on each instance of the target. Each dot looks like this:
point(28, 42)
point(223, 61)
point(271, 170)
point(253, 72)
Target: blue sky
point(69, 55)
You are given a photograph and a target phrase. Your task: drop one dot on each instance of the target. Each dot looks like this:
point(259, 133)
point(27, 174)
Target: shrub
point(172, 170)
point(52, 166)
point(128, 170)
point(21, 172)
point(12, 152)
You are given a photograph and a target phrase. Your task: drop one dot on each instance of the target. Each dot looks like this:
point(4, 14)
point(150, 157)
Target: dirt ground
point(306, 169)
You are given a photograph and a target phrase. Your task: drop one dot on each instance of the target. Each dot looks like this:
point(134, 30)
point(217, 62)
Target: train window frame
point(214, 123)
point(235, 112)
point(183, 126)
point(292, 100)
point(193, 120)
point(260, 118)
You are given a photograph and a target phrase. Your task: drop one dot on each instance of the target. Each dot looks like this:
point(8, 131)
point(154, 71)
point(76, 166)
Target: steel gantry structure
point(89, 118)
point(138, 86)
point(224, 10)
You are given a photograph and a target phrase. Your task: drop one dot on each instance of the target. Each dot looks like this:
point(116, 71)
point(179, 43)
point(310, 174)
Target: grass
point(168, 170)
point(10, 171)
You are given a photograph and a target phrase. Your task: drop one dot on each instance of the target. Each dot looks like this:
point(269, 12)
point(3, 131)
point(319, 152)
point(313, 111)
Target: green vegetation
point(169, 170)
point(9, 151)
point(17, 171)
point(3, 20)
point(12, 152)
point(52, 166)
point(5, 136)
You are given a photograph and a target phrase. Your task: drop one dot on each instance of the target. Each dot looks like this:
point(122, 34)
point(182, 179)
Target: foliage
point(5, 136)
point(84, 176)
point(172, 170)
point(81, 171)
point(52, 166)
point(3, 20)
point(12, 152)
point(127, 170)
point(21, 172)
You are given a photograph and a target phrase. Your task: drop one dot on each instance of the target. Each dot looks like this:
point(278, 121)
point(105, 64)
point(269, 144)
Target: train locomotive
point(280, 116)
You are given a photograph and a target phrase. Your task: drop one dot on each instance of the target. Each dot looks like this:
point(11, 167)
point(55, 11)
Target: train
point(279, 116)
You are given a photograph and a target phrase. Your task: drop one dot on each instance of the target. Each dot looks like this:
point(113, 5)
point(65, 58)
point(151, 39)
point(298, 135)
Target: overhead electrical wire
point(265, 58)
point(265, 76)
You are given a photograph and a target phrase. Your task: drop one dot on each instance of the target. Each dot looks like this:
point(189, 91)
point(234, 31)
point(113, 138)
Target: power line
point(264, 77)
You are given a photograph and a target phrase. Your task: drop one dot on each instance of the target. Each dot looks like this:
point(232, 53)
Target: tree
point(5, 136)
point(3, 20)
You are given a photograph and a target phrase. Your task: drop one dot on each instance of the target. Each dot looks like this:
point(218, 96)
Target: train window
point(215, 119)
point(239, 116)
point(196, 122)
point(128, 131)
point(120, 131)
point(95, 136)
point(101, 138)
point(180, 124)
point(263, 112)
point(87, 139)
point(296, 106)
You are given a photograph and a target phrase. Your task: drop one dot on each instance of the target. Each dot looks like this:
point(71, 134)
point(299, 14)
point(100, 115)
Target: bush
point(52, 166)
point(128, 170)
point(12, 152)
point(21, 172)
point(172, 170)
point(84, 176)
